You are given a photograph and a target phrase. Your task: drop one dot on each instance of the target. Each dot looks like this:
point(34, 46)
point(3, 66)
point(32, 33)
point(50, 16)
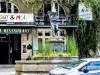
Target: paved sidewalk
point(7, 70)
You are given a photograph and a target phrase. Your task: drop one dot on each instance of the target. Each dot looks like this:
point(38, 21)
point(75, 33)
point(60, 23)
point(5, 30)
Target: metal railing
point(62, 20)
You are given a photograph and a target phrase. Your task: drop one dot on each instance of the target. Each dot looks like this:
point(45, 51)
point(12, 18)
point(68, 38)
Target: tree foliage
point(88, 31)
point(22, 7)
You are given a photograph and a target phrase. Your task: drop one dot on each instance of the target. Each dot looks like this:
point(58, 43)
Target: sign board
point(15, 30)
point(16, 17)
point(85, 13)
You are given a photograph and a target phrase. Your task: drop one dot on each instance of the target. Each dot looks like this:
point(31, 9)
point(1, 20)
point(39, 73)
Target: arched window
point(7, 7)
point(47, 7)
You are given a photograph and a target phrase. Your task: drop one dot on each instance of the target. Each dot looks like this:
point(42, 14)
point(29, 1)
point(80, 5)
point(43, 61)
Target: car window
point(92, 66)
point(73, 64)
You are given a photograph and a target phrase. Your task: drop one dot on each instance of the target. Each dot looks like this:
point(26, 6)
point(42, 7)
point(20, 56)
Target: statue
point(53, 16)
point(55, 40)
point(54, 22)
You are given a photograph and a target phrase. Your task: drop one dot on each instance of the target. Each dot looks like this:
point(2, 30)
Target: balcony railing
point(69, 20)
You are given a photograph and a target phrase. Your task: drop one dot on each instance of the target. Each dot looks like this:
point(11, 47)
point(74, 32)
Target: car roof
point(91, 59)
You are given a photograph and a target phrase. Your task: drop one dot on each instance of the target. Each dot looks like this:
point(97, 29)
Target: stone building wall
point(25, 41)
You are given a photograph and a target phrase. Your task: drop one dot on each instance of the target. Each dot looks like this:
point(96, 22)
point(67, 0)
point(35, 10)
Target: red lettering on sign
point(18, 17)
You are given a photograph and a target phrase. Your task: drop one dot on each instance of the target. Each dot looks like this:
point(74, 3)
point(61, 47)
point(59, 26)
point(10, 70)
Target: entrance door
point(10, 48)
point(15, 45)
point(4, 55)
point(4, 49)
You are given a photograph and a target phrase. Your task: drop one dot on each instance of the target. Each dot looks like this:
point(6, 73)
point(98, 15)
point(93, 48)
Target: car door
point(92, 68)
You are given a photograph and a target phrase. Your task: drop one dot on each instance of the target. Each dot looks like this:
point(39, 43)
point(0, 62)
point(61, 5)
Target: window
point(40, 33)
point(40, 40)
point(2, 7)
point(61, 11)
point(47, 33)
point(9, 10)
point(15, 9)
point(92, 66)
point(62, 33)
point(40, 46)
point(46, 39)
point(8, 7)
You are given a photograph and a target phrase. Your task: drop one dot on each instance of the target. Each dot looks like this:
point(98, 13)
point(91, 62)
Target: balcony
point(63, 21)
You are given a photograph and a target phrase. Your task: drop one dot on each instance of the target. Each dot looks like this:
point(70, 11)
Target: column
point(32, 41)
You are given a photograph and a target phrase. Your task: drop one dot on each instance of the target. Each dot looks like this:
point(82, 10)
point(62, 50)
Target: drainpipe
point(32, 41)
point(73, 34)
point(32, 32)
point(9, 51)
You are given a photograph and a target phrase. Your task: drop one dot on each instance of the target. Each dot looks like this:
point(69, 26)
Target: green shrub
point(53, 55)
point(72, 46)
point(40, 47)
point(64, 54)
point(46, 51)
point(50, 56)
point(36, 56)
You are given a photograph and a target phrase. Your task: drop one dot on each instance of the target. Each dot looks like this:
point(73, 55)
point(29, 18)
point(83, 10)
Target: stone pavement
point(7, 70)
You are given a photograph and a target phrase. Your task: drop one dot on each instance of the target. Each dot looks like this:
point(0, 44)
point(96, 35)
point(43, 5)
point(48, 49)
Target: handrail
point(63, 20)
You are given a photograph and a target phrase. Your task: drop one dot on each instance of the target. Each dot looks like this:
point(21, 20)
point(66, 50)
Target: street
point(7, 70)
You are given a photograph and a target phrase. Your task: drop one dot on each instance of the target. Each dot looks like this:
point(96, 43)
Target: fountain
point(55, 41)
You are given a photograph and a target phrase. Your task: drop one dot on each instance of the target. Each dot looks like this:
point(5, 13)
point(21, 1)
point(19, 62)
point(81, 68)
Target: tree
point(88, 31)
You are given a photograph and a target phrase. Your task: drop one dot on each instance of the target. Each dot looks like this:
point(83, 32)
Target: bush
point(46, 52)
point(64, 54)
point(37, 56)
point(50, 56)
point(53, 55)
point(72, 46)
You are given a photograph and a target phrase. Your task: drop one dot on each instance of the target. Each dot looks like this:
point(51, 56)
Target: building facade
point(20, 39)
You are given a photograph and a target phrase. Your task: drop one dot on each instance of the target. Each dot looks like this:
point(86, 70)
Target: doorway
point(15, 48)
point(10, 48)
point(4, 53)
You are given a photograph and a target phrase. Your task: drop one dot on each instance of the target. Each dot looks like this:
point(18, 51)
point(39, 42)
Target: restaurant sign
point(16, 17)
point(14, 30)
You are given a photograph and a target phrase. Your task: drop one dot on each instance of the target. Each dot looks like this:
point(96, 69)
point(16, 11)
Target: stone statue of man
point(54, 22)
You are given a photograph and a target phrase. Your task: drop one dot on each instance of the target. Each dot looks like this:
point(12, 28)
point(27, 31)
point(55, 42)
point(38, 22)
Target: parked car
point(88, 66)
